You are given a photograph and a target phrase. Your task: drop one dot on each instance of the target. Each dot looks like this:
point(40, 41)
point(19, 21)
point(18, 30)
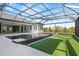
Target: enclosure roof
point(45, 13)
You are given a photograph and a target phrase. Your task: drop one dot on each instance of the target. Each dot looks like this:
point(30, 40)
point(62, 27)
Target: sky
point(40, 8)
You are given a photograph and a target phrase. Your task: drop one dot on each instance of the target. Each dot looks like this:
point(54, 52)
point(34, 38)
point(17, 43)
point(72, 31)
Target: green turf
point(59, 45)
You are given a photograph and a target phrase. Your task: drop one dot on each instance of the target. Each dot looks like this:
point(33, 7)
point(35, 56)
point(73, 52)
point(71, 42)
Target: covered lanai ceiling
point(45, 13)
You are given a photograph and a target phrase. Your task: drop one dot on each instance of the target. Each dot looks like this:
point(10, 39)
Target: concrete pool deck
point(8, 48)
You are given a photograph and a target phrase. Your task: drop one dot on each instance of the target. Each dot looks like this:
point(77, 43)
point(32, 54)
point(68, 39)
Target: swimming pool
point(27, 38)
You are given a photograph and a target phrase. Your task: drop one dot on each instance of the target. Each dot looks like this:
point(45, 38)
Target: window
point(30, 27)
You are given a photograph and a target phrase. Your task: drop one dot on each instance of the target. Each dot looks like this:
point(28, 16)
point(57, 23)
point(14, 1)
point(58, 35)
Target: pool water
point(27, 38)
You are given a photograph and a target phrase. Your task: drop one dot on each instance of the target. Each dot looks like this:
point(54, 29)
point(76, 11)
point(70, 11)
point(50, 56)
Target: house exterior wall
point(14, 22)
point(37, 28)
point(23, 27)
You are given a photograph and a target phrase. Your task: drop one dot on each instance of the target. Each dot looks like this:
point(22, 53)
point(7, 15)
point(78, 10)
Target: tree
point(71, 30)
point(50, 30)
point(65, 30)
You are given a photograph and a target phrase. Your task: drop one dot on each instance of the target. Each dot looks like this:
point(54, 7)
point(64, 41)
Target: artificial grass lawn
point(59, 45)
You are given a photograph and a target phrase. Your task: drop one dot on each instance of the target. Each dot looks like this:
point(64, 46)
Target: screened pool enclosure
point(29, 19)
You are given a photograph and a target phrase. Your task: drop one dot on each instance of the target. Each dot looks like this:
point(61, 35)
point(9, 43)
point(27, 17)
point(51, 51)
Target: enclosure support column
point(8, 29)
point(20, 28)
point(37, 28)
point(32, 28)
point(1, 28)
point(23, 29)
point(77, 27)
